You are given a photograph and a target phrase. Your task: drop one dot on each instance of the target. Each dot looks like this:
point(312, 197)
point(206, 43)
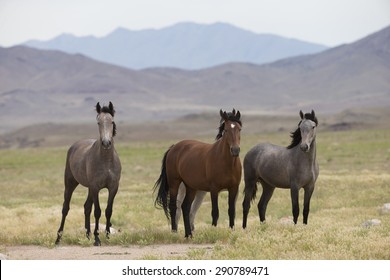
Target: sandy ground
point(99, 253)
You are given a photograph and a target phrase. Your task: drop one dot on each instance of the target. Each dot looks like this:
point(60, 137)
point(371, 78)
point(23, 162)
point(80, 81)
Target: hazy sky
point(329, 22)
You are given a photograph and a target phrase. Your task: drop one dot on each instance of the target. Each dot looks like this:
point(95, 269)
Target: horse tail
point(163, 187)
point(250, 180)
point(250, 191)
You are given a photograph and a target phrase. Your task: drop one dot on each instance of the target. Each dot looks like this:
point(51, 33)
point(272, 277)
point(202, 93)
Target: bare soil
point(165, 251)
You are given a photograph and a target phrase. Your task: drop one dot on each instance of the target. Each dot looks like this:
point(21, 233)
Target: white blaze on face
point(232, 125)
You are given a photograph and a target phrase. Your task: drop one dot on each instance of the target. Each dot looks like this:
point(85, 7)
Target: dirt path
point(100, 253)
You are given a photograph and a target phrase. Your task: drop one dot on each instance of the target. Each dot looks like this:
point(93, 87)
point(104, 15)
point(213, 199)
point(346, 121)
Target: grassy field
point(353, 185)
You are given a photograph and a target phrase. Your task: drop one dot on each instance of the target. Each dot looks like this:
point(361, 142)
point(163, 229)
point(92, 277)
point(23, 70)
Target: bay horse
point(294, 167)
point(202, 167)
point(94, 164)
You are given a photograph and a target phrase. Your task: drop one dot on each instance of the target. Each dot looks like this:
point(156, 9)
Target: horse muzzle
point(305, 147)
point(107, 144)
point(235, 151)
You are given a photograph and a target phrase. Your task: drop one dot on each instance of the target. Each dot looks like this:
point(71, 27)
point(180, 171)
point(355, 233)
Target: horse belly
point(274, 173)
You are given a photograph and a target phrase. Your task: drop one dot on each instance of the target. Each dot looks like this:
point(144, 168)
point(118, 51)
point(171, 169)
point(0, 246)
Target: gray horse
point(294, 167)
point(95, 165)
point(194, 206)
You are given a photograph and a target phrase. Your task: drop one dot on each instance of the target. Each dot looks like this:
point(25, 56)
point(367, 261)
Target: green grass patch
point(354, 182)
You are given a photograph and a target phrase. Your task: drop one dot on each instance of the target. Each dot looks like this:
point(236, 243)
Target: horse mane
point(106, 109)
point(296, 135)
point(231, 116)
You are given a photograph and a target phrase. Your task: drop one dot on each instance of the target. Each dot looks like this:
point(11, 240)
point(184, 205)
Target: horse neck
point(313, 150)
point(222, 149)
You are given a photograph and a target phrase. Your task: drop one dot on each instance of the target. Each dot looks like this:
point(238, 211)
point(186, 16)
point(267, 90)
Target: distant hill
point(50, 86)
point(184, 45)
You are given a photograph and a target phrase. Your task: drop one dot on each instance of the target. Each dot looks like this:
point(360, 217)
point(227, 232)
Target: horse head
point(308, 127)
point(230, 128)
point(107, 127)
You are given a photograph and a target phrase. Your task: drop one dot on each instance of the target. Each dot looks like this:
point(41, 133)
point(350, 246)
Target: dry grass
point(354, 182)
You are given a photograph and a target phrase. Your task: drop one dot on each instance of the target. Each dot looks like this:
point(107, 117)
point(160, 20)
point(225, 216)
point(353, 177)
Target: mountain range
point(183, 45)
point(51, 86)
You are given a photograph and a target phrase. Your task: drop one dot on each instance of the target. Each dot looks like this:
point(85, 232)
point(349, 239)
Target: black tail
point(250, 191)
point(162, 199)
point(250, 180)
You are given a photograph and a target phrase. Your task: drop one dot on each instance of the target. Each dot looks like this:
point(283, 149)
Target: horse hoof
point(97, 243)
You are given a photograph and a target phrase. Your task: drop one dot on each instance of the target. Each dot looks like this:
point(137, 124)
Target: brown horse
point(95, 165)
point(203, 167)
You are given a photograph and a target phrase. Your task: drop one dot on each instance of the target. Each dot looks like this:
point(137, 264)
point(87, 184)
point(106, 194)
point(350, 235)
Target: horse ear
point(111, 107)
point(98, 108)
point(223, 115)
point(313, 114)
point(234, 112)
point(301, 114)
point(238, 115)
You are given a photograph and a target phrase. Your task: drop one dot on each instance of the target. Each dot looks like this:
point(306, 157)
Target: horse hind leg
point(268, 191)
point(70, 186)
point(179, 200)
point(186, 208)
point(173, 192)
point(249, 194)
point(195, 207)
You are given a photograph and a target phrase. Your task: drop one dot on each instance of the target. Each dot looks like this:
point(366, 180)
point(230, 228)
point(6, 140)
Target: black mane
point(106, 109)
point(296, 135)
point(296, 138)
point(231, 116)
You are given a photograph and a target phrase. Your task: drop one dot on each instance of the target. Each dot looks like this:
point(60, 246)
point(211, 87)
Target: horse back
point(187, 156)
point(268, 163)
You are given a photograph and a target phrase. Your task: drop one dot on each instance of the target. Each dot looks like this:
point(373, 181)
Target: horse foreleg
point(111, 195)
point(306, 203)
point(295, 203)
point(97, 214)
point(214, 208)
point(87, 214)
point(265, 198)
point(232, 205)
